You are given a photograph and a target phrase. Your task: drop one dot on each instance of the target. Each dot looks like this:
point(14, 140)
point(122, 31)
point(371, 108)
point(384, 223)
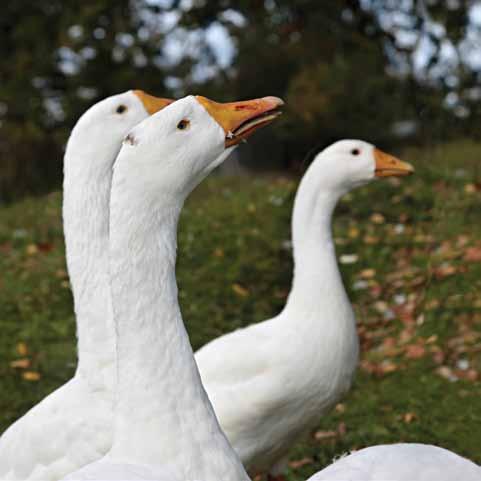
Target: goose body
point(401, 462)
point(164, 425)
point(73, 425)
point(271, 382)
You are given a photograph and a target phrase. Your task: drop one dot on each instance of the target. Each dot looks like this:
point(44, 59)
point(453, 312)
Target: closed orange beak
point(241, 119)
point(388, 165)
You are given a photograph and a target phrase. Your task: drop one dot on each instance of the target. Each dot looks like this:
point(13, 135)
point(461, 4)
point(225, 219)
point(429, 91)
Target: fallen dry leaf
point(23, 363)
point(239, 290)
point(300, 463)
point(447, 373)
point(31, 249)
point(472, 254)
point(45, 246)
point(414, 351)
point(370, 240)
point(353, 232)
point(31, 376)
point(367, 273)
point(377, 218)
point(321, 435)
point(445, 270)
point(22, 348)
point(408, 418)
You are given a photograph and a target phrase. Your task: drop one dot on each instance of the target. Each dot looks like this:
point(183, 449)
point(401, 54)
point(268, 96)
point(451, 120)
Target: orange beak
point(241, 119)
point(387, 165)
point(152, 104)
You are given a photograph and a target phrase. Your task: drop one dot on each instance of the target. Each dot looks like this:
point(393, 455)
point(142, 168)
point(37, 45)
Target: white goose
point(401, 462)
point(271, 382)
point(164, 426)
point(72, 426)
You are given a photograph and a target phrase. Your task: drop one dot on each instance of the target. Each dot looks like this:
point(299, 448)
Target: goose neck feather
point(86, 225)
point(163, 413)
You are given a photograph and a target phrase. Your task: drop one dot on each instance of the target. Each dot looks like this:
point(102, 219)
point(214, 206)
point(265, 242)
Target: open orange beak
point(152, 104)
point(387, 165)
point(241, 119)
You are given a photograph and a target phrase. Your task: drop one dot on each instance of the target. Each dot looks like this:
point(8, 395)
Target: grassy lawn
point(414, 277)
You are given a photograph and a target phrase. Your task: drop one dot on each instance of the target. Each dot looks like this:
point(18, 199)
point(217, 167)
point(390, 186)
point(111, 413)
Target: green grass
point(415, 286)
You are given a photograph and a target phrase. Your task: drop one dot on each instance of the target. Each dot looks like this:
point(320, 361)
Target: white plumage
point(164, 424)
point(271, 382)
point(73, 426)
point(401, 462)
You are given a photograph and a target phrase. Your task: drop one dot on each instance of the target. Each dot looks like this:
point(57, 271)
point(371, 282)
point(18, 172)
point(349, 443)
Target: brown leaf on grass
point(371, 240)
point(387, 367)
point(239, 290)
point(23, 363)
point(447, 251)
point(367, 273)
point(389, 348)
point(414, 351)
point(447, 373)
point(470, 188)
point(432, 304)
point(408, 418)
point(445, 270)
point(462, 240)
point(321, 435)
point(45, 246)
point(31, 376)
point(377, 218)
point(6, 247)
point(31, 249)
point(438, 355)
point(405, 313)
point(469, 374)
point(353, 232)
point(300, 463)
point(218, 252)
point(61, 274)
point(375, 291)
point(472, 254)
point(22, 348)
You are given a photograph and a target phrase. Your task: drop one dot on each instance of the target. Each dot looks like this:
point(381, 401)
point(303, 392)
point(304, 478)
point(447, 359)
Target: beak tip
point(275, 101)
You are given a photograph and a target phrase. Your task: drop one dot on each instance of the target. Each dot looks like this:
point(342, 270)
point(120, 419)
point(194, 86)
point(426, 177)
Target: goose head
point(168, 154)
point(348, 164)
point(99, 132)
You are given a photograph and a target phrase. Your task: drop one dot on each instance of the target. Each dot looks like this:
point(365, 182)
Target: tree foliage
point(382, 70)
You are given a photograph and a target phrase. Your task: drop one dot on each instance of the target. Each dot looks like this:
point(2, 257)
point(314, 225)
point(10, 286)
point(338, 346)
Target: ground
point(410, 255)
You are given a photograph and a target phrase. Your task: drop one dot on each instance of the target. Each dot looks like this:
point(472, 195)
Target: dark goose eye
point(355, 151)
point(121, 109)
point(183, 124)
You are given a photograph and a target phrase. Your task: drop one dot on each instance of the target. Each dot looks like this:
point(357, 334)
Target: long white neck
point(163, 414)
point(317, 290)
point(87, 180)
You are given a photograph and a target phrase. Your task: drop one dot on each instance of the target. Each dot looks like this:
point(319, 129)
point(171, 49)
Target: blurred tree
point(383, 70)
point(57, 58)
point(350, 68)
